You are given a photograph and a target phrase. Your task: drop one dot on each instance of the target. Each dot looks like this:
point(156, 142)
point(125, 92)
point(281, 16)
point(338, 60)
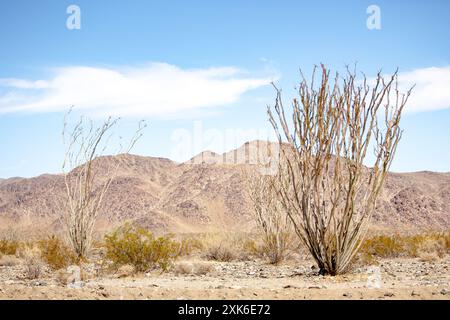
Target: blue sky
point(202, 70)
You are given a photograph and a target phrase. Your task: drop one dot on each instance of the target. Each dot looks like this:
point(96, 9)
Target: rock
point(414, 294)
point(314, 287)
point(289, 286)
point(76, 285)
point(348, 295)
point(444, 291)
point(389, 294)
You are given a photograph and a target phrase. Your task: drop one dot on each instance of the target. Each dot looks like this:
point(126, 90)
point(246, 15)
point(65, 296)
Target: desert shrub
point(189, 245)
point(427, 246)
point(139, 248)
point(9, 261)
point(432, 249)
point(382, 246)
point(253, 248)
point(228, 247)
point(56, 254)
point(33, 262)
point(447, 240)
point(9, 247)
point(193, 268)
point(276, 247)
point(221, 252)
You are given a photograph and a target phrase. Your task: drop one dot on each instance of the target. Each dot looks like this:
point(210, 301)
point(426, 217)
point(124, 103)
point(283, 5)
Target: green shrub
point(138, 247)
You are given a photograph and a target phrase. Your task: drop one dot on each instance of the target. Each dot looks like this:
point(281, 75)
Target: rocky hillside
point(208, 193)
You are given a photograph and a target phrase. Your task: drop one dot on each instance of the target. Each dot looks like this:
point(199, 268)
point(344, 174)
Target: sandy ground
point(395, 279)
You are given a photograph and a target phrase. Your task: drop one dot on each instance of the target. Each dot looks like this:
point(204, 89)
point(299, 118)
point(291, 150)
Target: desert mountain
point(208, 193)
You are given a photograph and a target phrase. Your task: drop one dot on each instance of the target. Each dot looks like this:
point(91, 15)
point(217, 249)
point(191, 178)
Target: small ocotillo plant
point(85, 187)
point(270, 217)
point(327, 192)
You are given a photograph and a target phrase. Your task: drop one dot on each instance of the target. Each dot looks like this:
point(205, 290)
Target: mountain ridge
point(199, 195)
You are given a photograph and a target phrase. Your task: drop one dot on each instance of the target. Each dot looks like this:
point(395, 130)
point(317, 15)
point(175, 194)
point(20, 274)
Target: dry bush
point(138, 247)
point(190, 245)
point(432, 249)
point(9, 261)
point(227, 247)
point(9, 247)
point(33, 262)
point(383, 246)
point(193, 268)
point(427, 246)
point(56, 254)
point(221, 252)
point(447, 240)
point(326, 190)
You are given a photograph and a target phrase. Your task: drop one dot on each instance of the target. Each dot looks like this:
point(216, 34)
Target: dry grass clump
point(138, 247)
point(9, 261)
point(193, 268)
point(56, 254)
point(427, 246)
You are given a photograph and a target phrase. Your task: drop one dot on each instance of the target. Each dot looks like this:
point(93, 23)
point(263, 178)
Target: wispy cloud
point(431, 91)
point(157, 89)
point(161, 89)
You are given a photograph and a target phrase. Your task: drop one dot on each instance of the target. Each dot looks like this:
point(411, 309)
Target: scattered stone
point(414, 294)
point(289, 286)
point(76, 285)
point(38, 283)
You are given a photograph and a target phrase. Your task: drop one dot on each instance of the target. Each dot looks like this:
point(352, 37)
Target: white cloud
point(160, 89)
point(431, 91)
point(157, 89)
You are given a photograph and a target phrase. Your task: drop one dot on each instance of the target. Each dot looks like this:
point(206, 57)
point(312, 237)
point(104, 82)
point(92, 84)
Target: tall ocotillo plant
point(85, 187)
point(328, 193)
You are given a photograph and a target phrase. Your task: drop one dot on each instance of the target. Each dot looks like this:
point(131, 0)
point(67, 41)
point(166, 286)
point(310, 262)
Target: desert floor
point(396, 279)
